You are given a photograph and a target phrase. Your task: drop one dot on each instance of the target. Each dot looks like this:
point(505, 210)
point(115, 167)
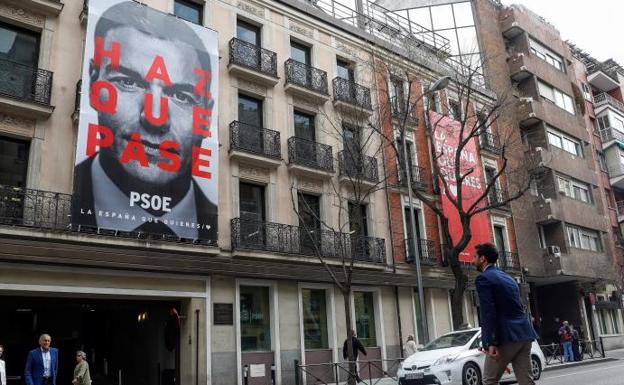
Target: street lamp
point(438, 85)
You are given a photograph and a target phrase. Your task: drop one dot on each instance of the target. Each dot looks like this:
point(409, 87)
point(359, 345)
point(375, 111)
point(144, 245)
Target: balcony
point(306, 82)
point(309, 158)
point(47, 7)
point(605, 99)
point(253, 63)
point(34, 208)
point(427, 252)
point(610, 135)
point(523, 65)
point(255, 144)
point(498, 196)
point(25, 90)
point(352, 98)
point(509, 261)
point(357, 168)
point(602, 77)
point(533, 111)
point(250, 235)
point(76, 113)
point(417, 176)
point(400, 113)
point(490, 143)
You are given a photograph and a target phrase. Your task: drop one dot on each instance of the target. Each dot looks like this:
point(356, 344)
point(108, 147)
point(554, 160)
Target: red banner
point(446, 137)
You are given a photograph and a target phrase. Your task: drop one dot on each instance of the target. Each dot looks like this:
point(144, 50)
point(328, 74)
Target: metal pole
point(421, 291)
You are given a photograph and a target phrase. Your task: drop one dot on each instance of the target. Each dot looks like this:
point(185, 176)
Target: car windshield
point(450, 340)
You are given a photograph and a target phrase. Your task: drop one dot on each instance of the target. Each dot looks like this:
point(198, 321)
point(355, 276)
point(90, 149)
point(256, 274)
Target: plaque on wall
point(223, 313)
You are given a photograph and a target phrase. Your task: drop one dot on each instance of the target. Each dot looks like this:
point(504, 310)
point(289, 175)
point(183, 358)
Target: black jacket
point(83, 199)
point(357, 347)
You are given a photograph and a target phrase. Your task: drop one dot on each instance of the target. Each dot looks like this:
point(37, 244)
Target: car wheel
point(471, 375)
point(536, 368)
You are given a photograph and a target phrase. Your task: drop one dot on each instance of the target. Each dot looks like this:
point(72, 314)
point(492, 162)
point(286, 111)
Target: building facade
point(252, 304)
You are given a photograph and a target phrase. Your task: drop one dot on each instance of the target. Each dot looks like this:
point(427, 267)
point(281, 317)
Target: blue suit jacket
point(33, 372)
point(503, 318)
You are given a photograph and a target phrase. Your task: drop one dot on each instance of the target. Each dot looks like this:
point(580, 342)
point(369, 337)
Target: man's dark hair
point(154, 23)
point(488, 251)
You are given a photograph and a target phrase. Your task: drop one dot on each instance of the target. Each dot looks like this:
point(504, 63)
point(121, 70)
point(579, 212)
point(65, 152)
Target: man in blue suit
point(42, 363)
point(506, 332)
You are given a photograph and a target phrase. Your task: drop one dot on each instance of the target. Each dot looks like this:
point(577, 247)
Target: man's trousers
point(516, 353)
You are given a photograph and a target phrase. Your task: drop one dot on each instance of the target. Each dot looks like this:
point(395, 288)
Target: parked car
point(455, 359)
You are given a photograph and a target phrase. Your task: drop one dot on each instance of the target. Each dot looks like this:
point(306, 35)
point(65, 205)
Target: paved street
point(604, 373)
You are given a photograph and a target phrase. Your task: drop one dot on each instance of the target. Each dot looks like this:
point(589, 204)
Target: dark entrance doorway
point(127, 341)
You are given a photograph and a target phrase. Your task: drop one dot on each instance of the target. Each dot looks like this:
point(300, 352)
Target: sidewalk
point(612, 355)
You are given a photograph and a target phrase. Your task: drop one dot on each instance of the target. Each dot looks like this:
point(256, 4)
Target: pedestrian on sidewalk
point(506, 331)
point(410, 347)
point(357, 347)
point(2, 367)
point(576, 339)
point(82, 376)
point(565, 335)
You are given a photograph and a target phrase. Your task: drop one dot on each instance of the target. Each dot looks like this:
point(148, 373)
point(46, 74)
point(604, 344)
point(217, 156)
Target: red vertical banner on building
point(446, 139)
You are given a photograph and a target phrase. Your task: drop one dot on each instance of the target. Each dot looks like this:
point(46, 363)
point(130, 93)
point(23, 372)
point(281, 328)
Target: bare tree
point(460, 192)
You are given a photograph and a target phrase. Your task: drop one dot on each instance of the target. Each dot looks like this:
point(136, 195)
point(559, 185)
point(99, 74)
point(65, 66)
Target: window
point(566, 143)
point(255, 319)
point(609, 198)
point(251, 201)
point(410, 160)
point(300, 52)
point(602, 316)
point(433, 102)
point(13, 162)
point(345, 70)
point(397, 95)
point(309, 212)
point(248, 32)
point(587, 93)
point(19, 46)
point(315, 332)
point(250, 111)
point(454, 109)
point(365, 317)
point(499, 238)
point(602, 161)
point(584, 239)
point(351, 139)
point(554, 95)
point(546, 54)
point(358, 223)
point(188, 10)
point(411, 253)
point(603, 122)
point(533, 188)
point(574, 189)
point(304, 126)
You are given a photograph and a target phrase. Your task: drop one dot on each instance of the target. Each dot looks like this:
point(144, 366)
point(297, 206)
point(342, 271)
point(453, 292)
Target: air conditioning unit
point(527, 99)
point(555, 251)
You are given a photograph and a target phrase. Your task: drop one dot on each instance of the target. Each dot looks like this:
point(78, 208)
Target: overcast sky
point(595, 25)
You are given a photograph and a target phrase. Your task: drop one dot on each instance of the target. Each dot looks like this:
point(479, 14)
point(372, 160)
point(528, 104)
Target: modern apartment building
point(566, 224)
point(171, 309)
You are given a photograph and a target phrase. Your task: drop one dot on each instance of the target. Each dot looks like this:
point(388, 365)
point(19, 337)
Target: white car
point(455, 359)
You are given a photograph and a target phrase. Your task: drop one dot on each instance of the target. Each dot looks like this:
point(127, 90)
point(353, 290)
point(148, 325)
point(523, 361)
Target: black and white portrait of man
point(147, 148)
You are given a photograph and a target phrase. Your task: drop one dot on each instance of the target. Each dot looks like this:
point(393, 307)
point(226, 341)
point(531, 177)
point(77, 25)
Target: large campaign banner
point(147, 149)
point(446, 138)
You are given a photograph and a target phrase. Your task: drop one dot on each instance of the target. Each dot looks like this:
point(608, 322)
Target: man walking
point(42, 363)
point(506, 332)
point(357, 346)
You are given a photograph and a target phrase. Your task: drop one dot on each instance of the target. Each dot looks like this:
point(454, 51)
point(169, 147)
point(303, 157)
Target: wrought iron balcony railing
point(358, 167)
point(606, 99)
point(509, 261)
point(352, 93)
point(426, 251)
point(251, 56)
point(78, 95)
point(497, 196)
point(490, 142)
point(25, 83)
point(400, 111)
point(305, 76)
point(417, 176)
point(295, 240)
point(34, 208)
point(255, 140)
point(608, 134)
point(310, 154)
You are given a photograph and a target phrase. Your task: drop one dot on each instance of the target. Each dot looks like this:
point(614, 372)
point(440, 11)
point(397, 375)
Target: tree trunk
point(457, 297)
point(346, 295)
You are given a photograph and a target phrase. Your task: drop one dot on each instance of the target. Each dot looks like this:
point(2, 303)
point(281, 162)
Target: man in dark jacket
point(357, 347)
point(506, 332)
